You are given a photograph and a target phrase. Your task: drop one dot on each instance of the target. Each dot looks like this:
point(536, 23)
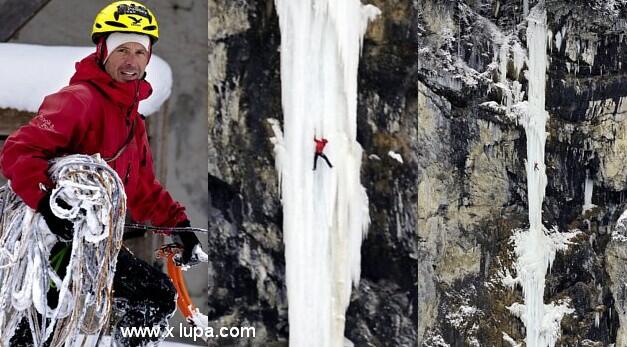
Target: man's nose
point(130, 59)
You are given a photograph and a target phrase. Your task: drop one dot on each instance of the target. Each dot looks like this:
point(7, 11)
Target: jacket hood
point(126, 94)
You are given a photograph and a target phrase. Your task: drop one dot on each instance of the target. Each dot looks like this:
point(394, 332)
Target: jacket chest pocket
point(126, 164)
point(127, 175)
point(131, 158)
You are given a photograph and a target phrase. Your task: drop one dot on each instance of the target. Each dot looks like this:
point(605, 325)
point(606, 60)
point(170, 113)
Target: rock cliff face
point(472, 183)
point(247, 266)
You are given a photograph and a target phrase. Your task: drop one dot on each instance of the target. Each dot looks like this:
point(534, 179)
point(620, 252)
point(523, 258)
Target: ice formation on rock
point(536, 248)
point(325, 212)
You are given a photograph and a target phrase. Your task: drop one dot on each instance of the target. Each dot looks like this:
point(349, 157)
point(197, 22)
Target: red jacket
point(94, 114)
point(320, 144)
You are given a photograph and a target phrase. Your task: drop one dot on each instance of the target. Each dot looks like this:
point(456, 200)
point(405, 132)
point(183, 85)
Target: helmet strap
point(149, 52)
point(101, 50)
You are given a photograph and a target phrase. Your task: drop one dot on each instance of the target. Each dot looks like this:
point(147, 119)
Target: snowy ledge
point(30, 72)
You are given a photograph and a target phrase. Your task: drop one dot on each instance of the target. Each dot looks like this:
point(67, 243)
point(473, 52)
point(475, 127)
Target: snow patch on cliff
point(395, 156)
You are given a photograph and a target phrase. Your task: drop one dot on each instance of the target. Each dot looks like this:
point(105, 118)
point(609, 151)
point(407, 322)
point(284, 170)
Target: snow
point(457, 319)
point(199, 319)
point(536, 248)
point(325, 211)
point(395, 156)
point(30, 72)
point(619, 234)
point(199, 255)
point(510, 340)
point(520, 110)
point(622, 219)
point(436, 341)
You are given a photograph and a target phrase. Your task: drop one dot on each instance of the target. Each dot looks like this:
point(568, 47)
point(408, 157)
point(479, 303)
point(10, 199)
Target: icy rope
point(98, 206)
point(325, 211)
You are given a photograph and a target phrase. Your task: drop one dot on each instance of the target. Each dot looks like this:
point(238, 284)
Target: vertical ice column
point(325, 212)
point(533, 279)
point(536, 247)
point(537, 117)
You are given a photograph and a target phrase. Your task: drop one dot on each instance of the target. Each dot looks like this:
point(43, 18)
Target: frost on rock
point(395, 156)
point(325, 211)
point(435, 341)
point(465, 317)
point(511, 341)
point(97, 203)
point(619, 234)
point(536, 248)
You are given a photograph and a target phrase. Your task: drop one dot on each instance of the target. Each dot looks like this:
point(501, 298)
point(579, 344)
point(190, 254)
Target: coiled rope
point(97, 203)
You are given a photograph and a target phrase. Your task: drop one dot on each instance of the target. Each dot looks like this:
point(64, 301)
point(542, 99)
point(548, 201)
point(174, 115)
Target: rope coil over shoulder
point(97, 203)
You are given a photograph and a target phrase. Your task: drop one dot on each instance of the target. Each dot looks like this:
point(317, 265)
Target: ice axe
point(183, 300)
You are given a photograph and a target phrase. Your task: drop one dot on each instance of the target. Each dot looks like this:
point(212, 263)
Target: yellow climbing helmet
point(125, 16)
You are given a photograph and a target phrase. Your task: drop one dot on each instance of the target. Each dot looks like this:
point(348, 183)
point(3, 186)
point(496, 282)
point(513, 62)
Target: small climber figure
point(535, 166)
point(319, 148)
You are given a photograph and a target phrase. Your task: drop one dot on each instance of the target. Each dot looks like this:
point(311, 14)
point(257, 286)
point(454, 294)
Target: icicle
point(519, 58)
point(325, 211)
point(588, 187)
point(503, 58)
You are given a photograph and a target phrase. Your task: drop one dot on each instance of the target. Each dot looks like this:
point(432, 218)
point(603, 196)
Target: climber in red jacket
point(319, 152)
point(97, 113)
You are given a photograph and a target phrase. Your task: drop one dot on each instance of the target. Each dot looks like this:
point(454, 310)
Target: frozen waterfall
point(536, 247)
point(325, 212)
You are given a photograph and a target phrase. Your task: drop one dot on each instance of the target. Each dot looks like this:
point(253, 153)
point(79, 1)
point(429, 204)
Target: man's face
point(127, 62)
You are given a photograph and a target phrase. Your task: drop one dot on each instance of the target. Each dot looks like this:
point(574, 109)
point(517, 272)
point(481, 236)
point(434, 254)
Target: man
point(97, 113)
point(319, 152)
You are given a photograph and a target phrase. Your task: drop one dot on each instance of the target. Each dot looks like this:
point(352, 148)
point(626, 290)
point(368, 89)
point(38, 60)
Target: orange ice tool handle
point(183, 301)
